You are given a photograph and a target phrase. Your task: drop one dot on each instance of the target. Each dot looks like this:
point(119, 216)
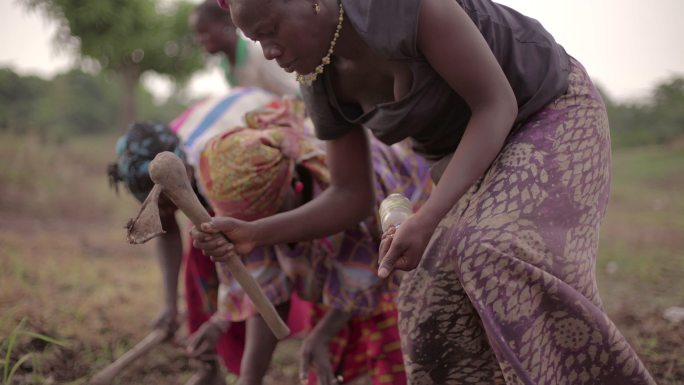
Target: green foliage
point(7, 346)
point(19, 97)
point(73, 103)
point(78, 103)
point(120, 34)
point(127, 37)
point(658, 120)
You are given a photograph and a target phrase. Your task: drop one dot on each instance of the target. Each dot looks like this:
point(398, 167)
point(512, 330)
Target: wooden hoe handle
point(168, 170)
point(106, 376)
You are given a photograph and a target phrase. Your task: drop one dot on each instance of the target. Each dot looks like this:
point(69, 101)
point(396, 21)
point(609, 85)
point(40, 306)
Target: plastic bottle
point(394, 210)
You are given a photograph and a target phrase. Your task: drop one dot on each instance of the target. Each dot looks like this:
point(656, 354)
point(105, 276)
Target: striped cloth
point(214, 116)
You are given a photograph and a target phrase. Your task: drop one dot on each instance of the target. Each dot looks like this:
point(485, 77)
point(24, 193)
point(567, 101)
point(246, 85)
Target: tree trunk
point(130, 77)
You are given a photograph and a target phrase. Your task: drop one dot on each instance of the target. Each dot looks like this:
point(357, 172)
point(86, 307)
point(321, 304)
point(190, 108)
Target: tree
point(658, 119)
point(18, 100)
point(668, 108)
point(127, 37)
point(72, 104)
point(78, 103)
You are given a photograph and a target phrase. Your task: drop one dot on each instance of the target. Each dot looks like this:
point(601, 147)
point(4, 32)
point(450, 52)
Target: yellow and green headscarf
point(247, 172)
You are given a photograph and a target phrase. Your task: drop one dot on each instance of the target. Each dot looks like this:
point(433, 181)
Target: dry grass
point(66, 267)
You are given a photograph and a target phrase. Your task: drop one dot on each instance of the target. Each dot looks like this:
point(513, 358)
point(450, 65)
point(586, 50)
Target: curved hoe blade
point(147, 224)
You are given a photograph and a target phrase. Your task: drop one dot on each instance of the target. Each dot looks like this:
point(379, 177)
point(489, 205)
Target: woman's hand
point(211, 237)
point(402, 248)
point(314, 353)
point(167, 321)
point(204, 340)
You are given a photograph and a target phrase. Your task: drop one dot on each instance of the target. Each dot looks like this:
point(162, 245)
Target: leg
point(259, 348)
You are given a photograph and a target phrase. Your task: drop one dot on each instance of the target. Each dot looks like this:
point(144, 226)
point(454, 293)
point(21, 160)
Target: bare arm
point(170, 255)
point(471, 69)
point(469, 66)
point(315, 352)
point(346, 202)
point(260, 344)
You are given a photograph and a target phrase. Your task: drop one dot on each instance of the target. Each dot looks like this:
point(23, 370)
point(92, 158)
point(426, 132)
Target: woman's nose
point(271, 51)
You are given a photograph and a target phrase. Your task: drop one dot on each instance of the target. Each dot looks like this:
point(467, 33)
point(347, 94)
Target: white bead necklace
point(309, 78)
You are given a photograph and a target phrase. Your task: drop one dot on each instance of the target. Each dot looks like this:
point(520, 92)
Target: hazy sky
point(626, 45)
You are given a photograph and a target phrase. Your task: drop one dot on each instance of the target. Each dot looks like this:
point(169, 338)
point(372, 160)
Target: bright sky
point(626, 45)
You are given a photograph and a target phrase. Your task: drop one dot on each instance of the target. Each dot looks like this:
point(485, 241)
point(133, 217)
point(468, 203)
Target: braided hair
point(135, 150)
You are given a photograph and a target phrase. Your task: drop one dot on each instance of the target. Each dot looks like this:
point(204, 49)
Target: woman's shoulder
point(389, 27)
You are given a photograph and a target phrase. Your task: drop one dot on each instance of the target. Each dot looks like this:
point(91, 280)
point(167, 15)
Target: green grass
point(57, 180)
point(647, 187)
point(8, 366)
point(641, 251)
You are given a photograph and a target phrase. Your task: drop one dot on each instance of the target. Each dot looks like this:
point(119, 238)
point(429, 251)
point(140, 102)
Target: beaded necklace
point(309, 78)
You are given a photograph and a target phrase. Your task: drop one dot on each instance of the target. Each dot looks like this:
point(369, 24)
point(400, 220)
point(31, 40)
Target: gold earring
point(317, 8)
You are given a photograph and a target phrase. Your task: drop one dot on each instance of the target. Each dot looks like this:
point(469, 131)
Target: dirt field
point(67, 271)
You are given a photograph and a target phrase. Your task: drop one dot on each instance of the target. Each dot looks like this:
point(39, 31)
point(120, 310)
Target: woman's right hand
point(314, 354)
point(210, 237)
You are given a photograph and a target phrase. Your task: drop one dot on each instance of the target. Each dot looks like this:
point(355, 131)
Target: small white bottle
point(394, 210)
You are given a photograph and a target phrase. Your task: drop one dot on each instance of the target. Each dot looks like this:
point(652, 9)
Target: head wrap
point(135, 150)
point(247, 172)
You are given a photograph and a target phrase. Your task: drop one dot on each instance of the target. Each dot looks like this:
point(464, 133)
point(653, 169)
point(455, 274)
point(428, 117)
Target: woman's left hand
point(204, 340)
point(402, 248)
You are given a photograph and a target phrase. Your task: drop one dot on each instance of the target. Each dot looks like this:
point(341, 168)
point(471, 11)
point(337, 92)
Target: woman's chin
point(303, 70)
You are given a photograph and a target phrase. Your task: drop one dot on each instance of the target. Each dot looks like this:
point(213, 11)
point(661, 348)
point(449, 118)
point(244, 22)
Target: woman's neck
point(350, 46)
point(231, 55)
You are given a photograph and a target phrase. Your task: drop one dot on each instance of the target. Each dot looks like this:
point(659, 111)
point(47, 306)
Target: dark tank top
point(432, 114)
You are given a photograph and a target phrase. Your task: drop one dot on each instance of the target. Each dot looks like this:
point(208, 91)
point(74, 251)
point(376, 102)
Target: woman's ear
point(306, 181)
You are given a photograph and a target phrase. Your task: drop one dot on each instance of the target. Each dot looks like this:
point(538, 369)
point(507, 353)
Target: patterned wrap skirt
point(506, 290)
